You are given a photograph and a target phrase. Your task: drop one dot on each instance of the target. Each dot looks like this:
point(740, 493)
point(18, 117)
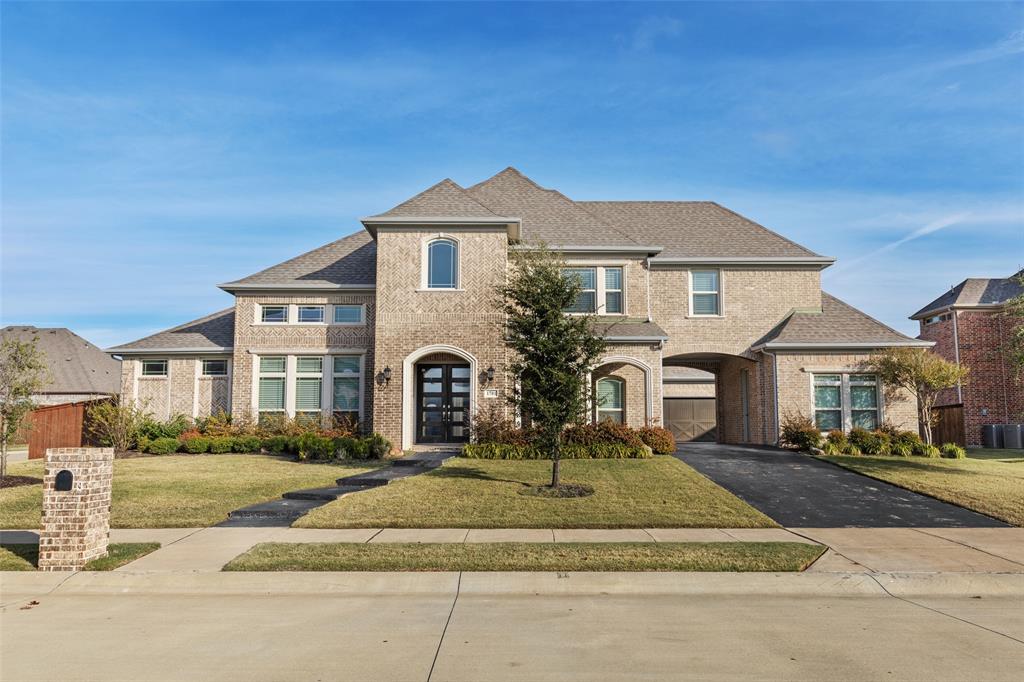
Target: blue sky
point(152, 151)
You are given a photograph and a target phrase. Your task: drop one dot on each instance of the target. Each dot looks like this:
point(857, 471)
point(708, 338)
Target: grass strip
point(25, 557)
point(524, 556)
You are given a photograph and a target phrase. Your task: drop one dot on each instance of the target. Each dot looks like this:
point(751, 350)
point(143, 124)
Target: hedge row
point(311, 446)
point(569, 451)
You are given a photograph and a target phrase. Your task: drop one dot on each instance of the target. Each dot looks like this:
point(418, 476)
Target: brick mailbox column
point(76, 507)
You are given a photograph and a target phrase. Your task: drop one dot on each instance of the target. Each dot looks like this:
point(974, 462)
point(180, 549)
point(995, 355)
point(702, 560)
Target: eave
point(821, 262)
point(514, 226)
point(207, 350)
point(304, 287)
point(840, 345)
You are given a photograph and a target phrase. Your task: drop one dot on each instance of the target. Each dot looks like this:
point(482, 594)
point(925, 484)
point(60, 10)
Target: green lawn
point(180, 491)
point(1007, 455)
point(524, 556)
point(19, 557)
point(473, 493)
point(990, 486)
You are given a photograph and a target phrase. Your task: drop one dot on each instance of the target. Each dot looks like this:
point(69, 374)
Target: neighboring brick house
point(395, 325)
point(78, 371)
point(968, 327)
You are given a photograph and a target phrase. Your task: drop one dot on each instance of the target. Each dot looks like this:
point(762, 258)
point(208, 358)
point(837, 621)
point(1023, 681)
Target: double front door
point(442, 403)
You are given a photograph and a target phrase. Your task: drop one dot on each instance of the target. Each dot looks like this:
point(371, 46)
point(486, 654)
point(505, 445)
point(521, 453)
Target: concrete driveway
point(799, 491)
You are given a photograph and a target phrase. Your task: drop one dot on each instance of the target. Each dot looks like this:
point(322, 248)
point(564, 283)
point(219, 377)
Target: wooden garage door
point(691, 419)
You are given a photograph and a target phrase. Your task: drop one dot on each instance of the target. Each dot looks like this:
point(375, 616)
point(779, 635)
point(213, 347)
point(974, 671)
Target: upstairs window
point(274, 314)
point(611, 399)
point(348, 314)
point(705, 297)
point(154, 368)
point(215, 368)
point(586, 300)
point(601, 290)
point(613, 291)
point(311, 314)
point(442, 264)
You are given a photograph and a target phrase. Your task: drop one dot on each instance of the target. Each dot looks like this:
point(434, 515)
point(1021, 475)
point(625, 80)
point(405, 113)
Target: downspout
point(647, 275)
point(956, 356)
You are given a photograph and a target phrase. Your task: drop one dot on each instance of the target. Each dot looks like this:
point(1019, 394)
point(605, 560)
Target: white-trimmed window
point(442, 264)
point(215, 367)
point(272, 376)
point(935, 319)
point(601, 290)
point(705, 293)
point(309, 382)
point(346, 372)
point(154, 368)
point(846, 401)
point(611, 400)
point(274, 314)
point(311, 314)
point(349, 313)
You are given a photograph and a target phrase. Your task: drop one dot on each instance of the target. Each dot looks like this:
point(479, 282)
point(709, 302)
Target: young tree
point(1014, 346)
point(116, 424)
point(23, 372)
point(922, 373)
point(553, 352)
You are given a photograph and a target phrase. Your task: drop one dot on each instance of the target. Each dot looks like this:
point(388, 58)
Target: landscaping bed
point(18, 557)
point(522, 556)
point(181, 491)
point(660, 492)
point(988, 486)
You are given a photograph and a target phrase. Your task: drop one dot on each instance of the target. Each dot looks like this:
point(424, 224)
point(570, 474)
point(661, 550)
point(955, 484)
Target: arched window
point(442, 264)
point(611, 399)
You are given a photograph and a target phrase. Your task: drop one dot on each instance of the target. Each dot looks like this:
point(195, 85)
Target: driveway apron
point(797, 490)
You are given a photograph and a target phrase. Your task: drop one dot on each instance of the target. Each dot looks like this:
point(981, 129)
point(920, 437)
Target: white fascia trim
point(832, 345)
point(957, 306)
point(513, 224)
point(296, 286)
point(603, 250)
point(169, 351)
point(823, 261)
point(636, 339)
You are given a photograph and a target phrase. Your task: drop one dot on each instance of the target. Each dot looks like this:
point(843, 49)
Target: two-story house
point(396, 325)
point(968, 326)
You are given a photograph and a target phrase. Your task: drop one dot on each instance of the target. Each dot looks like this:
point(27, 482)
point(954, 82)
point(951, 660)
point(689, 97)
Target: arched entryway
point(734, 413)
point(633, 390)
point(439, 394)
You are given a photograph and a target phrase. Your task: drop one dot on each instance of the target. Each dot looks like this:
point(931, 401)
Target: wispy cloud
point(923, 231)
point(650, 30)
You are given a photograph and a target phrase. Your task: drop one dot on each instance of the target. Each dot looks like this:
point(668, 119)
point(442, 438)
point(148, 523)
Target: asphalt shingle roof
point(212, 332)
point(350, 260)
point(837, 323)
point(76, 366)
point(975, 291)
point(443, 199)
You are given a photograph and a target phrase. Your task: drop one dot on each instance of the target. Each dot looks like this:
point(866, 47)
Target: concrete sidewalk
point(511, 626)
point(851, 550)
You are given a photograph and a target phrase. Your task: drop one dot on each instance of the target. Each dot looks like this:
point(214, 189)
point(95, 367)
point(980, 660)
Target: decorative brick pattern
point(76, 522)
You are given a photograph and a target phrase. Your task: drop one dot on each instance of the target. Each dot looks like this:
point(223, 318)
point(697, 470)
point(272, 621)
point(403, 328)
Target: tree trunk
point(3, 461)
point(556, 460)
point(925, 417)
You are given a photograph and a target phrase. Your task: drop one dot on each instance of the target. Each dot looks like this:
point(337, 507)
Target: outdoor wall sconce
point(490, 374)
point(383, 378)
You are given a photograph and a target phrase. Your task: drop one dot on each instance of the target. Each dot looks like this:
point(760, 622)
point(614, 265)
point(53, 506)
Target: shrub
point(953, 451)
point(900, 449)
point(831, 448)
point(196, 446)
point(311, 445)
point(115, 424)
point(246, 444)
point(660, 440)
point(276, 444)
point(799, 432)
point(143, 444)
point(605, 431)
point(172, 428)
point(926, 450)
point(837, 438)
point(851, 449)
point(221, 444)
point(163, 446)
point(347, 447)
point(378, 447)
point(190, 434)
point(570, 451)
point(905, 440)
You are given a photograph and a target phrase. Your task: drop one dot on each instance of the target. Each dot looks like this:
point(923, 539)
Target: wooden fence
point(950, 426)
point(57, 426)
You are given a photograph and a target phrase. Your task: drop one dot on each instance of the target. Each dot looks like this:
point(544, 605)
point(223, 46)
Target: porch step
point(327, 494)
point(379, 478)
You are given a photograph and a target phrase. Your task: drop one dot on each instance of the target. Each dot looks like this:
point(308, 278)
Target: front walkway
point(799, 491)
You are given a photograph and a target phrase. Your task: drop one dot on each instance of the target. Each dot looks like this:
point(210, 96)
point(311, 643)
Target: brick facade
point(76, 522)
point(991, 394)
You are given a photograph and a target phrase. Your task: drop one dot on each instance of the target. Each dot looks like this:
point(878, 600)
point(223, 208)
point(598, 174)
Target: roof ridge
point(445, 182)
point(864, 314)
point(768, 230)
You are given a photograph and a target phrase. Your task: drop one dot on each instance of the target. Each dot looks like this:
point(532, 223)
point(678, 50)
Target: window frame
point(205, 373)
point(166, 367)
point(362, 314)
point(456, 264)
point(291, 374)
point(719, 298)
point(598, 408)
point(847, 380)
point(282, 375)
point(358, 376)
point(311, 306)
point(303, 376)
point(263, 313)
point(600, 288)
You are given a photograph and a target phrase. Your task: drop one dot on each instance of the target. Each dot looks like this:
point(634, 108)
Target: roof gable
point(446, 198)
point(976, 292)
point(211, 333)
point(350, 261)
point(837, 324)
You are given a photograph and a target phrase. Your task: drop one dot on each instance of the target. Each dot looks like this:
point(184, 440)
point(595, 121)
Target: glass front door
point(442, 403)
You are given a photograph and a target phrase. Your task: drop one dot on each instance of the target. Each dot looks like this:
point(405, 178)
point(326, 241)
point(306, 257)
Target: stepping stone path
point(296, 503)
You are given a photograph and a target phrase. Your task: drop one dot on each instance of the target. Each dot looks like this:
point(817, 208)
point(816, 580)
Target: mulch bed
point(18, 481)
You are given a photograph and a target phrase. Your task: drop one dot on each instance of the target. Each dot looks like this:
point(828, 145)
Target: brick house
point(967, 326)
point(395, 325)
